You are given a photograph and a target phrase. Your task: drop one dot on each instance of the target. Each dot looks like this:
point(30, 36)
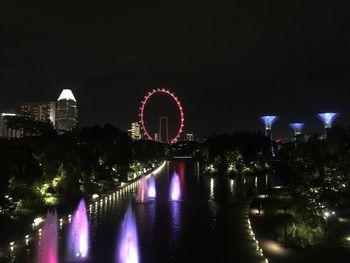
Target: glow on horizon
point(268, 120)
point(327, 118)
point(297, 127)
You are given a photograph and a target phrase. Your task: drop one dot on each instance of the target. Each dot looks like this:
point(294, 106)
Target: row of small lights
point(252, 236)
point(123, 190)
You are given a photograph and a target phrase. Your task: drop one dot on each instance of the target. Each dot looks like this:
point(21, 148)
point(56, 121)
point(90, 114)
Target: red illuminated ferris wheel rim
point(178, 104)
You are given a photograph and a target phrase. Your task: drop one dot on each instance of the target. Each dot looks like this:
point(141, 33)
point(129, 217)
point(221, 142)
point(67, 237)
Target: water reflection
point(212, 204)
point(197, 169)
point(175, 212)
point(256, 182)
point(232, 187)
point(212, 185)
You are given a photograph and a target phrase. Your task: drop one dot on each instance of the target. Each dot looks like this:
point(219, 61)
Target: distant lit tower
point(268, 122)
point(163, 130)
point(135, 131)
point(6, 132)
point(298, 128)
point(66, 112)
point(40, 111)
point(156, 137)
point(327, 118)
point(189, 137)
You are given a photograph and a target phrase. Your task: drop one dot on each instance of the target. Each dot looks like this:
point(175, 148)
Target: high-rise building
point(135, 131)
point(163, 129)
point(189, 137)
point(6, 132)
point(66, 112)
point(40, 111)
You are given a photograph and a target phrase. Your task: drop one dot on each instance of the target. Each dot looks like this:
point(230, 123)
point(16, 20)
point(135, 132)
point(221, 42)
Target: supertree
point(268, 122)
point(327, 118)
point(297, 127)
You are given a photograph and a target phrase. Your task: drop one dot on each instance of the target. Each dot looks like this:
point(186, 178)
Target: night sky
point(228, 61)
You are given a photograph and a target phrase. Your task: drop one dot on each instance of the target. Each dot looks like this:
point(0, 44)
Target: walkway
point(276, 253)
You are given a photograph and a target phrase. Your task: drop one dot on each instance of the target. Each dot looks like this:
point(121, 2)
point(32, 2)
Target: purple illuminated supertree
point(297, 127)
point(327, 118)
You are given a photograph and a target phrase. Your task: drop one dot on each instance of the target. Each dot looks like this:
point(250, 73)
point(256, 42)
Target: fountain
point(142, 191)
point(48, 243)
point(78, 239)
point(175, 188)
point(128, 251)
point(151, 188)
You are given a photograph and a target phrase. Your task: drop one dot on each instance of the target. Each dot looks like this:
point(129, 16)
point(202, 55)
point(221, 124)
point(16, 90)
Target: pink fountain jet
point(48, 244)
point(142, 191)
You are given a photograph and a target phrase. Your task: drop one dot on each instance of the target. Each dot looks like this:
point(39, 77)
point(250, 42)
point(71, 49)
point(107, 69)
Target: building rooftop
point(66, 94)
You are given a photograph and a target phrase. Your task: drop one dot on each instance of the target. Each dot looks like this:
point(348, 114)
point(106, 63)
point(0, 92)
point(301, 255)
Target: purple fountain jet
point(128, 247)
point(78, 242)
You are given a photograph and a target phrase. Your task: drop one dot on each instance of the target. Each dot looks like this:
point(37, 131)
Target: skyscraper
point(135, 131)
point(40, 111)
point(66, 112)
point(6, 132)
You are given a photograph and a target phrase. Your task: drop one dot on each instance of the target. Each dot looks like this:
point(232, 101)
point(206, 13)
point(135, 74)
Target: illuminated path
point(208, 225)
point(278, 254)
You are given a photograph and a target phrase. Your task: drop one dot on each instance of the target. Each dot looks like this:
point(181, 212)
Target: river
point(207, 225)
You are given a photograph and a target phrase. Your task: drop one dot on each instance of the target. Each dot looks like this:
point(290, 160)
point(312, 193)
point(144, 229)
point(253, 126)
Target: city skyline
point(313, 125)
point(239, 61)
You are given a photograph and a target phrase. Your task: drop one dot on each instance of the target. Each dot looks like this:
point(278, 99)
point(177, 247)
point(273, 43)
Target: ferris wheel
point(145, 101)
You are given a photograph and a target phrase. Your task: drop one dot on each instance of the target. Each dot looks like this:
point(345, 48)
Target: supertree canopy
point(327, 118)
point(268, 121)
point(297, 127)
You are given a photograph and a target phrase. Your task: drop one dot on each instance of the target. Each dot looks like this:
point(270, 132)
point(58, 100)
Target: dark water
point(208, 225)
